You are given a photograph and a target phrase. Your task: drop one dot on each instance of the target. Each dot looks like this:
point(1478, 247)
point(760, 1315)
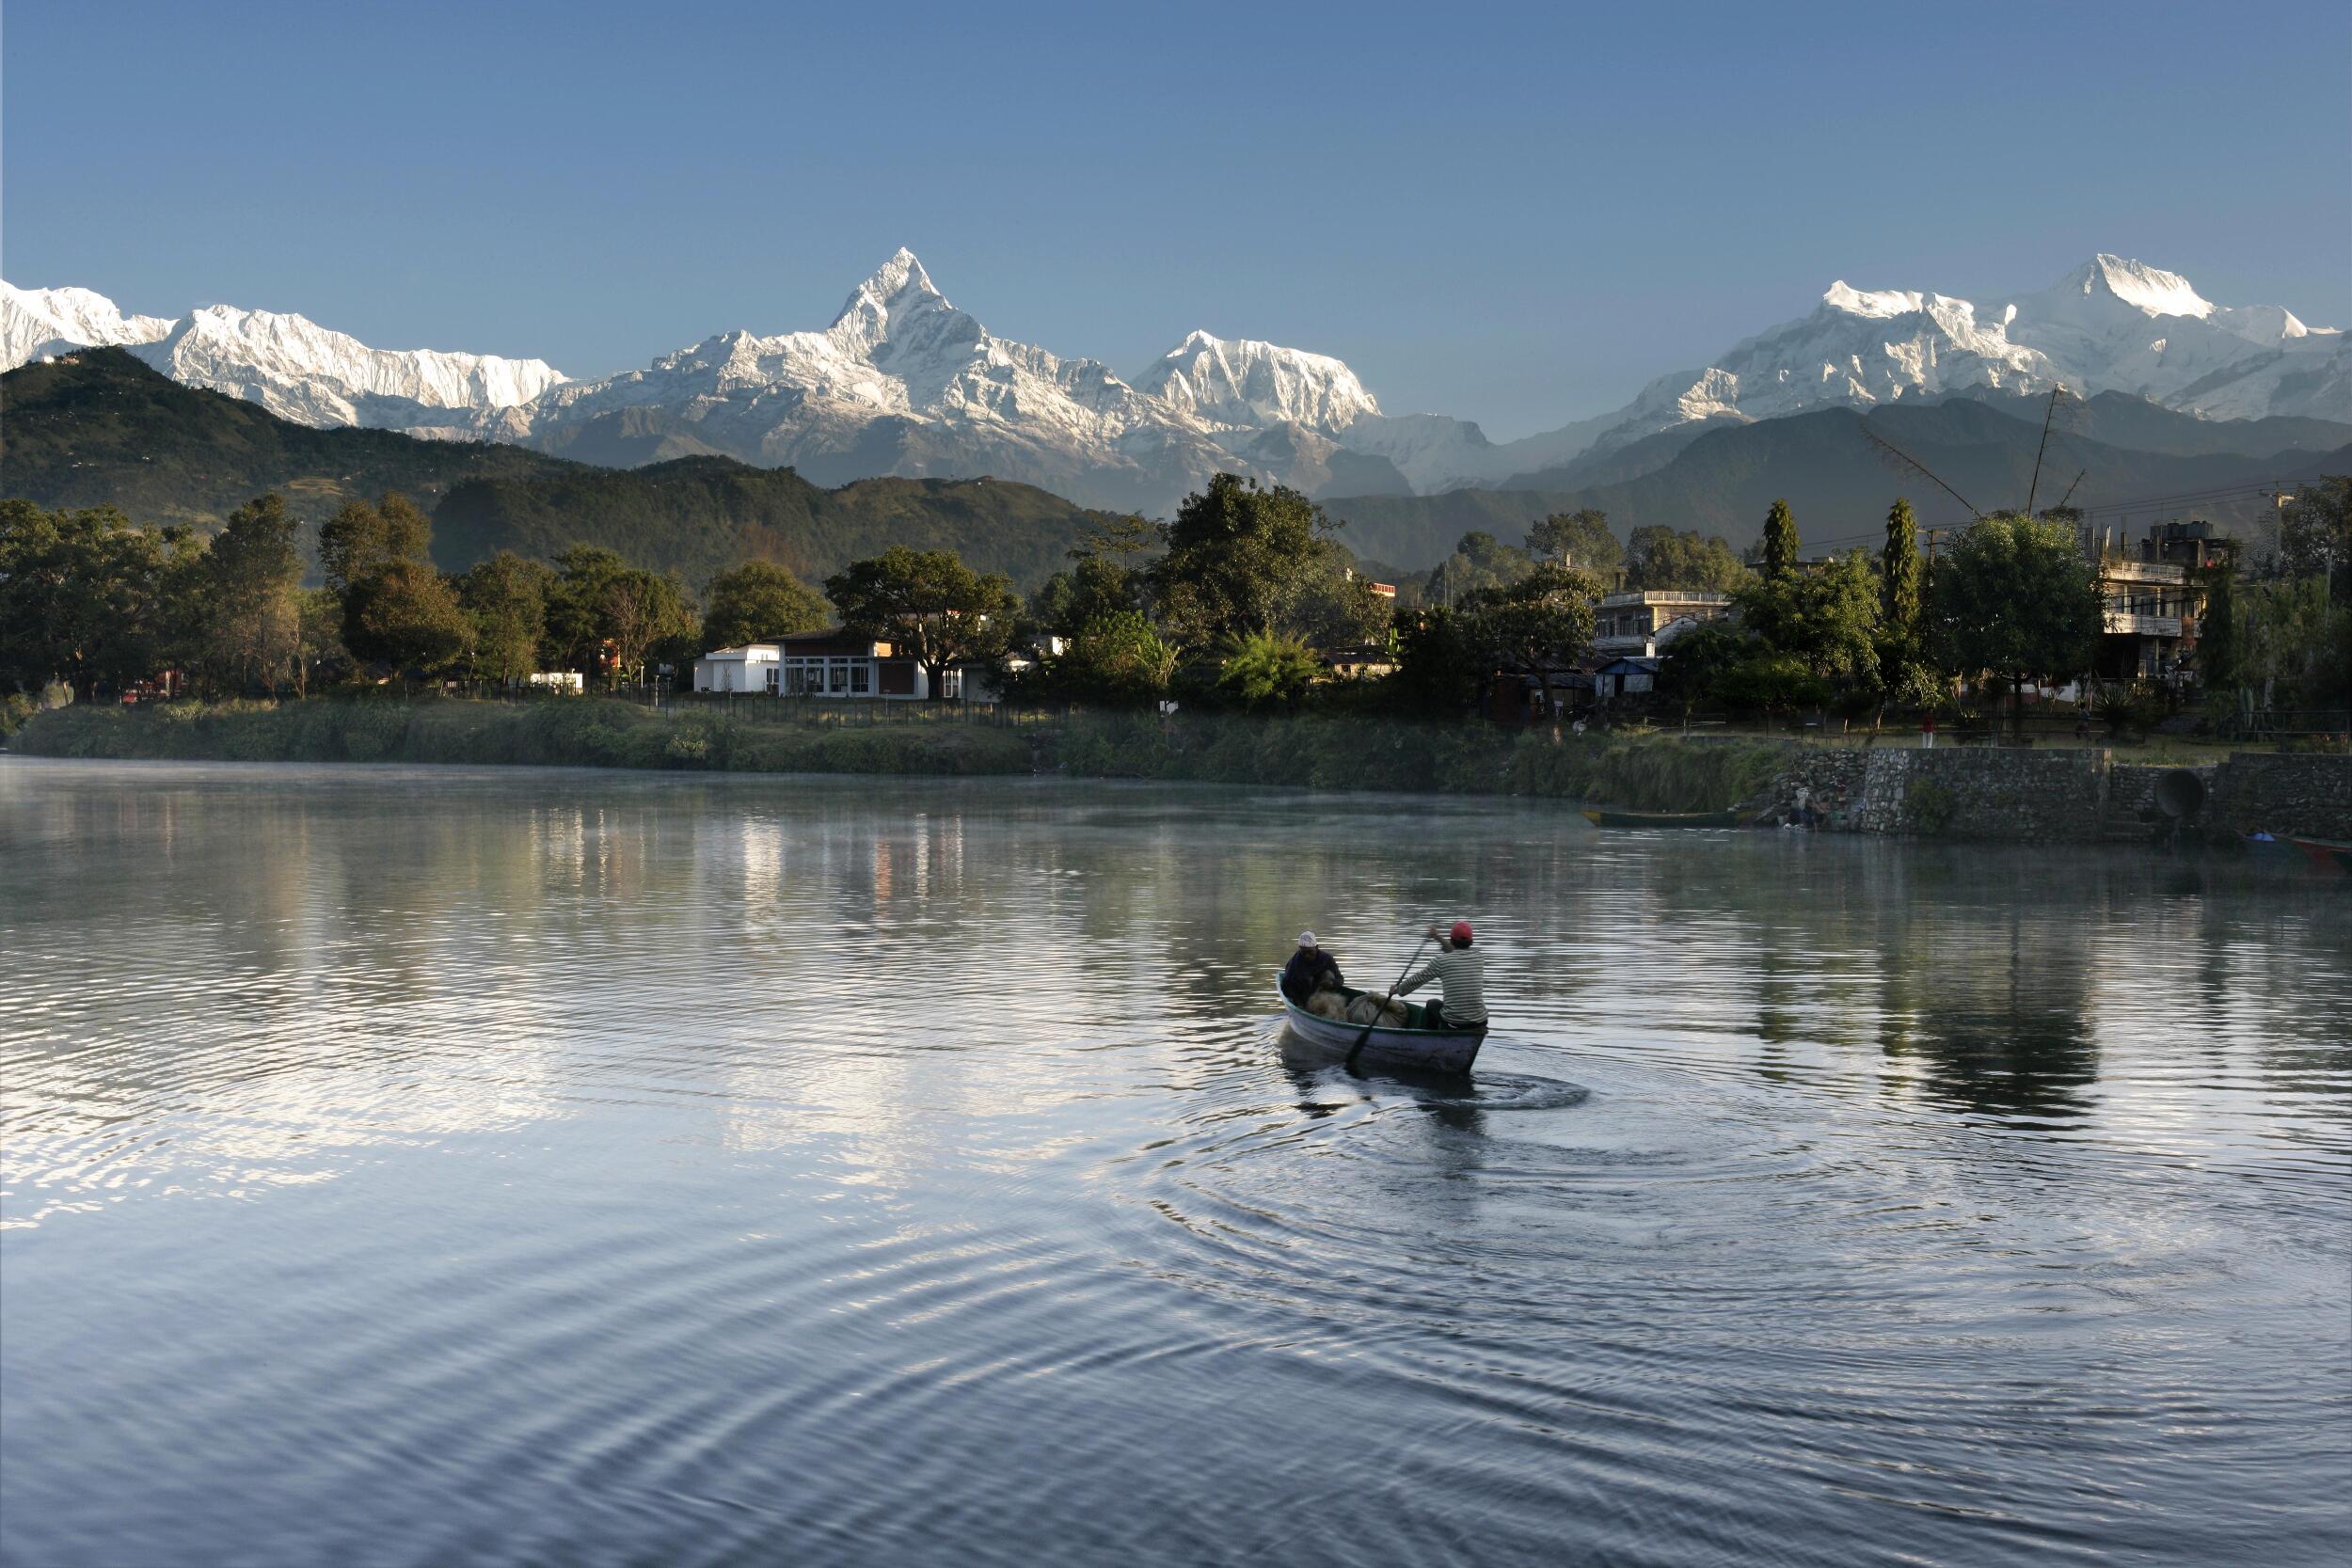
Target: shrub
point(1929, 806)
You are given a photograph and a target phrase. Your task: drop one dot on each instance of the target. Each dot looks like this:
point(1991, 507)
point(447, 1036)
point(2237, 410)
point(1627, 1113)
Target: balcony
point(2141, 571)
point(2122, 623)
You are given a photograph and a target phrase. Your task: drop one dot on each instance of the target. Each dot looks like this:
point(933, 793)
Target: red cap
point(1461, 932)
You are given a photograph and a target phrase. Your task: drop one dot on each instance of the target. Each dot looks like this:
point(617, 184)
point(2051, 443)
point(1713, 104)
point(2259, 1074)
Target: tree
point(1262, 668)
point(927, 604)
point(2016, 597)
point(602, 608)
point(1440, 662)
point(1538, 624)
point(1577, 539)
point(1102, 579)
point(1659, 558)
point(1772, 682)
point(361, 540)
point(87, 598)
point(507, 598)
point(759, 602)
point(1479, 563)
point(405, 615)
point(2217, 632)
point(320, 654)
point(1905, 676)
point(576, 619)
point(1115, 657)
point(644, 613)
point(1242, 559)
point(2315, 533)
point(2294, 642)
point(1780, 544)
point(1694, 669)
point(246, 609)
point(398, 609)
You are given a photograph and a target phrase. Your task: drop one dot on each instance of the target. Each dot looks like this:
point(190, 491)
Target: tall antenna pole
point(2048, 415)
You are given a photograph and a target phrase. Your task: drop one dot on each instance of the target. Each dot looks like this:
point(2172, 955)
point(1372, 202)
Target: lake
point(519, 1166)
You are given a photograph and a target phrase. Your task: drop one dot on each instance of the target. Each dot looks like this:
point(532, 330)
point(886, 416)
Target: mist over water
point(411, 1167)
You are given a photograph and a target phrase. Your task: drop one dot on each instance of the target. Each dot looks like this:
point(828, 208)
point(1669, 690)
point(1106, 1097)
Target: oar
point(1358, 1049)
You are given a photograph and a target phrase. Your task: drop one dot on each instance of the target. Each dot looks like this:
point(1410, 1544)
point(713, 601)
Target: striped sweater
point(1461, 973)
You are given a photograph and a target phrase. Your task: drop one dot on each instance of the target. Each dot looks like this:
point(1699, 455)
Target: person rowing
point(1309, 970)
point(1460, 974)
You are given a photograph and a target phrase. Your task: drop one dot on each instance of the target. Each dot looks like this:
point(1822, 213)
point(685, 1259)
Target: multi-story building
point(2151, 598)
point(1637, 622)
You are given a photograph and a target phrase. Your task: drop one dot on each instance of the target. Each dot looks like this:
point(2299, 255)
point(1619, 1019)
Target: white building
point(749, 668)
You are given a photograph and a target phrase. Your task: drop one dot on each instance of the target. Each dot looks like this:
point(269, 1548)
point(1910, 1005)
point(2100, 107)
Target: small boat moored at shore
point(1600, 816)
point(1423, 1050)
point(2333, 853)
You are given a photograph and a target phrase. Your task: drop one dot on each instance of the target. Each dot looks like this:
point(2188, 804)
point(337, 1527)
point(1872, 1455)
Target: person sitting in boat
point(1460, 974)
point(1310, 969)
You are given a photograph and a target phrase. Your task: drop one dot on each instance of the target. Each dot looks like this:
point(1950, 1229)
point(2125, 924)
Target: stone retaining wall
point(2291, 794)
point(2074, 795)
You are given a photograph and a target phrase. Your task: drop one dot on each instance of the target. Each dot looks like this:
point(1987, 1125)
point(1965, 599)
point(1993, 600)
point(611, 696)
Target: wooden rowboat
point(1602, 817)
point(1421, 1050)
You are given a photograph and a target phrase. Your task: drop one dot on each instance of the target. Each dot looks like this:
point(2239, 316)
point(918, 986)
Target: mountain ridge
point(102, 427)
point(904, 382)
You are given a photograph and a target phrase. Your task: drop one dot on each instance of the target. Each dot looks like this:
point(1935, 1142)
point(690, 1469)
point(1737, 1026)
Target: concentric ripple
point(410, 1167)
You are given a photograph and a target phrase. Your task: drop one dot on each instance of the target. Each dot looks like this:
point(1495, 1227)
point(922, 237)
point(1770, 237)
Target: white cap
point(1306, 939)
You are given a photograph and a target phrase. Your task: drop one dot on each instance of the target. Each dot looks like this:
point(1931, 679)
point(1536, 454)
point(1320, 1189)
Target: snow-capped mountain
point(290, 365)
point(300, 371)
point(1251, 386)
point(902, 382)
point(37, 323)
point(2108, 325)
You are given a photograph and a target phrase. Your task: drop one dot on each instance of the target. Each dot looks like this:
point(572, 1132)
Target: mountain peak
point(899, 292)
point(1877, 304)
point(2149, 290)
point(1243, 381)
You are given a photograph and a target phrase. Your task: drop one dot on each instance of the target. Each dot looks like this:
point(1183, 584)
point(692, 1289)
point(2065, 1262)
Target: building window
point(861, 678)
point(772, 674)
point(838, 677)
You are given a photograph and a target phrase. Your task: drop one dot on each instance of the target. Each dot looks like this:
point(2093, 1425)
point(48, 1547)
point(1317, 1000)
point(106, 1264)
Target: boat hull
point(1414, 1049)
point(2335, 854)
point(1603, 819)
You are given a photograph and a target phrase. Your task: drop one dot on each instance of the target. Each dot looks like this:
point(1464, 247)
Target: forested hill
point(100, 428)
point(1841, 484)
point(709, 513)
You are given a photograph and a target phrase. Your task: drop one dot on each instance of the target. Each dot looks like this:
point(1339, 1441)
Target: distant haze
point(1517, 215)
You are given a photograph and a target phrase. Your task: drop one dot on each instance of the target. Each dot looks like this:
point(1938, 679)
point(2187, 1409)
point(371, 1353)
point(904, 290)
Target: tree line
point(1246, 599)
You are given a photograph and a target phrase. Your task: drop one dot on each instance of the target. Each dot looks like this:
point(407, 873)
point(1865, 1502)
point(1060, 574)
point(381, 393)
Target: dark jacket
point(1308, 971)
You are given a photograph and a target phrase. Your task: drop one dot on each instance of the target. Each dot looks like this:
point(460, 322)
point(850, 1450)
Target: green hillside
point(708, 513)
point(102, 428)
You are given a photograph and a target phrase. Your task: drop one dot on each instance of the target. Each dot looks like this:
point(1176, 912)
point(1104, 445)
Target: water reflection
point(412, 1167)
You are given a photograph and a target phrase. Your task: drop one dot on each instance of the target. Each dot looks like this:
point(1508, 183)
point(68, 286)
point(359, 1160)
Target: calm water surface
point(414, 1166)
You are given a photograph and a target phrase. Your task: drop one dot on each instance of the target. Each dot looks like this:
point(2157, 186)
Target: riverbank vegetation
point(1660, 772)
point(586, 732)
point(1648, 771)
point(1244, 605)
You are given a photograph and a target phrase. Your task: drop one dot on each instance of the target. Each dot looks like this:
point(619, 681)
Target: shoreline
point(1980, 794)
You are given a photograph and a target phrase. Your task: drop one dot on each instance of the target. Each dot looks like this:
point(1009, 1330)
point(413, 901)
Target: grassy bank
point(1654, 772)
point(555, 731)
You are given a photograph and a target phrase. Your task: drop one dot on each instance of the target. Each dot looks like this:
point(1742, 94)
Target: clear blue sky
point(1516, 214)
